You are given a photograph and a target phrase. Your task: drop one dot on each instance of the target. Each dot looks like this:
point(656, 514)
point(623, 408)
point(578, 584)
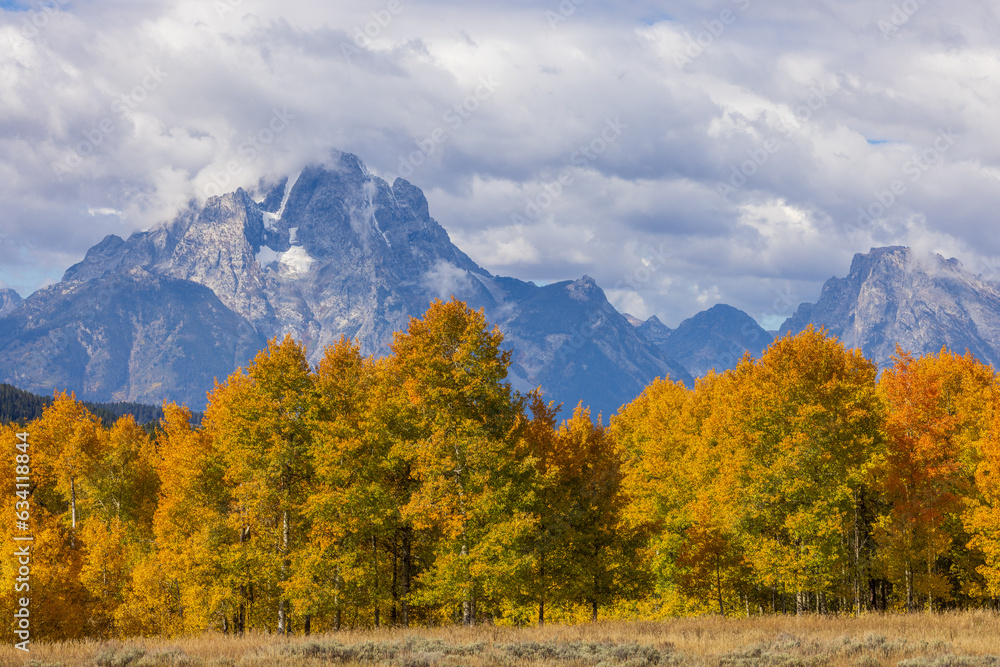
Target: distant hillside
point(19, 406)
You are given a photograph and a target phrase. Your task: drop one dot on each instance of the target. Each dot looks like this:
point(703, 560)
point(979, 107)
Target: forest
point(420, 489)
point(20, 407)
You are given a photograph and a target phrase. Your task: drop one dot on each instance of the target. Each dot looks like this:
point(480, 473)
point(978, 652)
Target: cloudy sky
point(682, 153)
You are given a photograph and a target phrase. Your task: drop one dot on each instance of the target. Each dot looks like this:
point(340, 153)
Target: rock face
point(9, 300)
point(892, 295)
point(715, 338)
point(130, 336)
point(331, 251)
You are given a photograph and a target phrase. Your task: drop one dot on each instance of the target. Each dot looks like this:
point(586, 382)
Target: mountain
point(716, 338)
point(331, 251)
point(655, 331)
point(9, 300)
point(895, 295)
point(567, 335)
point(129, 336)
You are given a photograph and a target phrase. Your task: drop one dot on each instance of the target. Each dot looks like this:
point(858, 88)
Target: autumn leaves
point(802, 482)
point(361, 492)
point(419, 488)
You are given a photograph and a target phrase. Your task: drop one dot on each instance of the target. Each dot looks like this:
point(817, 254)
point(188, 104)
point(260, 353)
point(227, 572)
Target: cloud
point(445, 280)
point(138, 108)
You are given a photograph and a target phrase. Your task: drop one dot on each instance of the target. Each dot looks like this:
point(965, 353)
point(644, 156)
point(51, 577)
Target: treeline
point(20, 407)
point(420, 489)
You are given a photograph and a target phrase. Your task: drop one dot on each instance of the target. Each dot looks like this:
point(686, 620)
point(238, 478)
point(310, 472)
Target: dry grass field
point(939, 640)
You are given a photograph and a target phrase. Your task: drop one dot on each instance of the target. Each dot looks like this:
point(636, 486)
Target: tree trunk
point(930, 594)
point(394, 620)
point(857, 555)
point(718, 584)
point(72, 507)
point(467, 613)
point(405, 605)
point(241, 615)
point(800, 603)
point(283, 603)
point(593, 610)
point(375, 579)
point(307, 624)
point(541, 596)
point(909, 588)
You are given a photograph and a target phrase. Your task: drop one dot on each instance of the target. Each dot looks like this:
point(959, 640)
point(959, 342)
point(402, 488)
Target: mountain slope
point(715, 338)
point(130, 336)
point(892, 295)
point(567, 335)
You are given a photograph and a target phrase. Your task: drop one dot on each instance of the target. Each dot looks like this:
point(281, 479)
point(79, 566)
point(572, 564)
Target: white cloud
point(445, 280)
point(154, 103)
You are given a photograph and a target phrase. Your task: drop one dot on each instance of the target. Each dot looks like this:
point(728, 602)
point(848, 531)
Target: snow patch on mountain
point(297, 260)
point(288, 193)
point(266, 257)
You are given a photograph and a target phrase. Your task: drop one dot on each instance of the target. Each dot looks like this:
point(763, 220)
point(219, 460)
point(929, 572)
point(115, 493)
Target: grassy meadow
point(963, 639)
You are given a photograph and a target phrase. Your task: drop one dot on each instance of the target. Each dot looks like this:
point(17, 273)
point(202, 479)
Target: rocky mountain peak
point(919, 301)
point(9, 300)
point(655, 331)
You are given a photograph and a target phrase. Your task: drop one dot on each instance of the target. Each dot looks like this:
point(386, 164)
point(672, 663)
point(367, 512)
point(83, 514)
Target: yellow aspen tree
point(470, 457)
point(800, 429)
point(258, 422)
point(195, 581)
